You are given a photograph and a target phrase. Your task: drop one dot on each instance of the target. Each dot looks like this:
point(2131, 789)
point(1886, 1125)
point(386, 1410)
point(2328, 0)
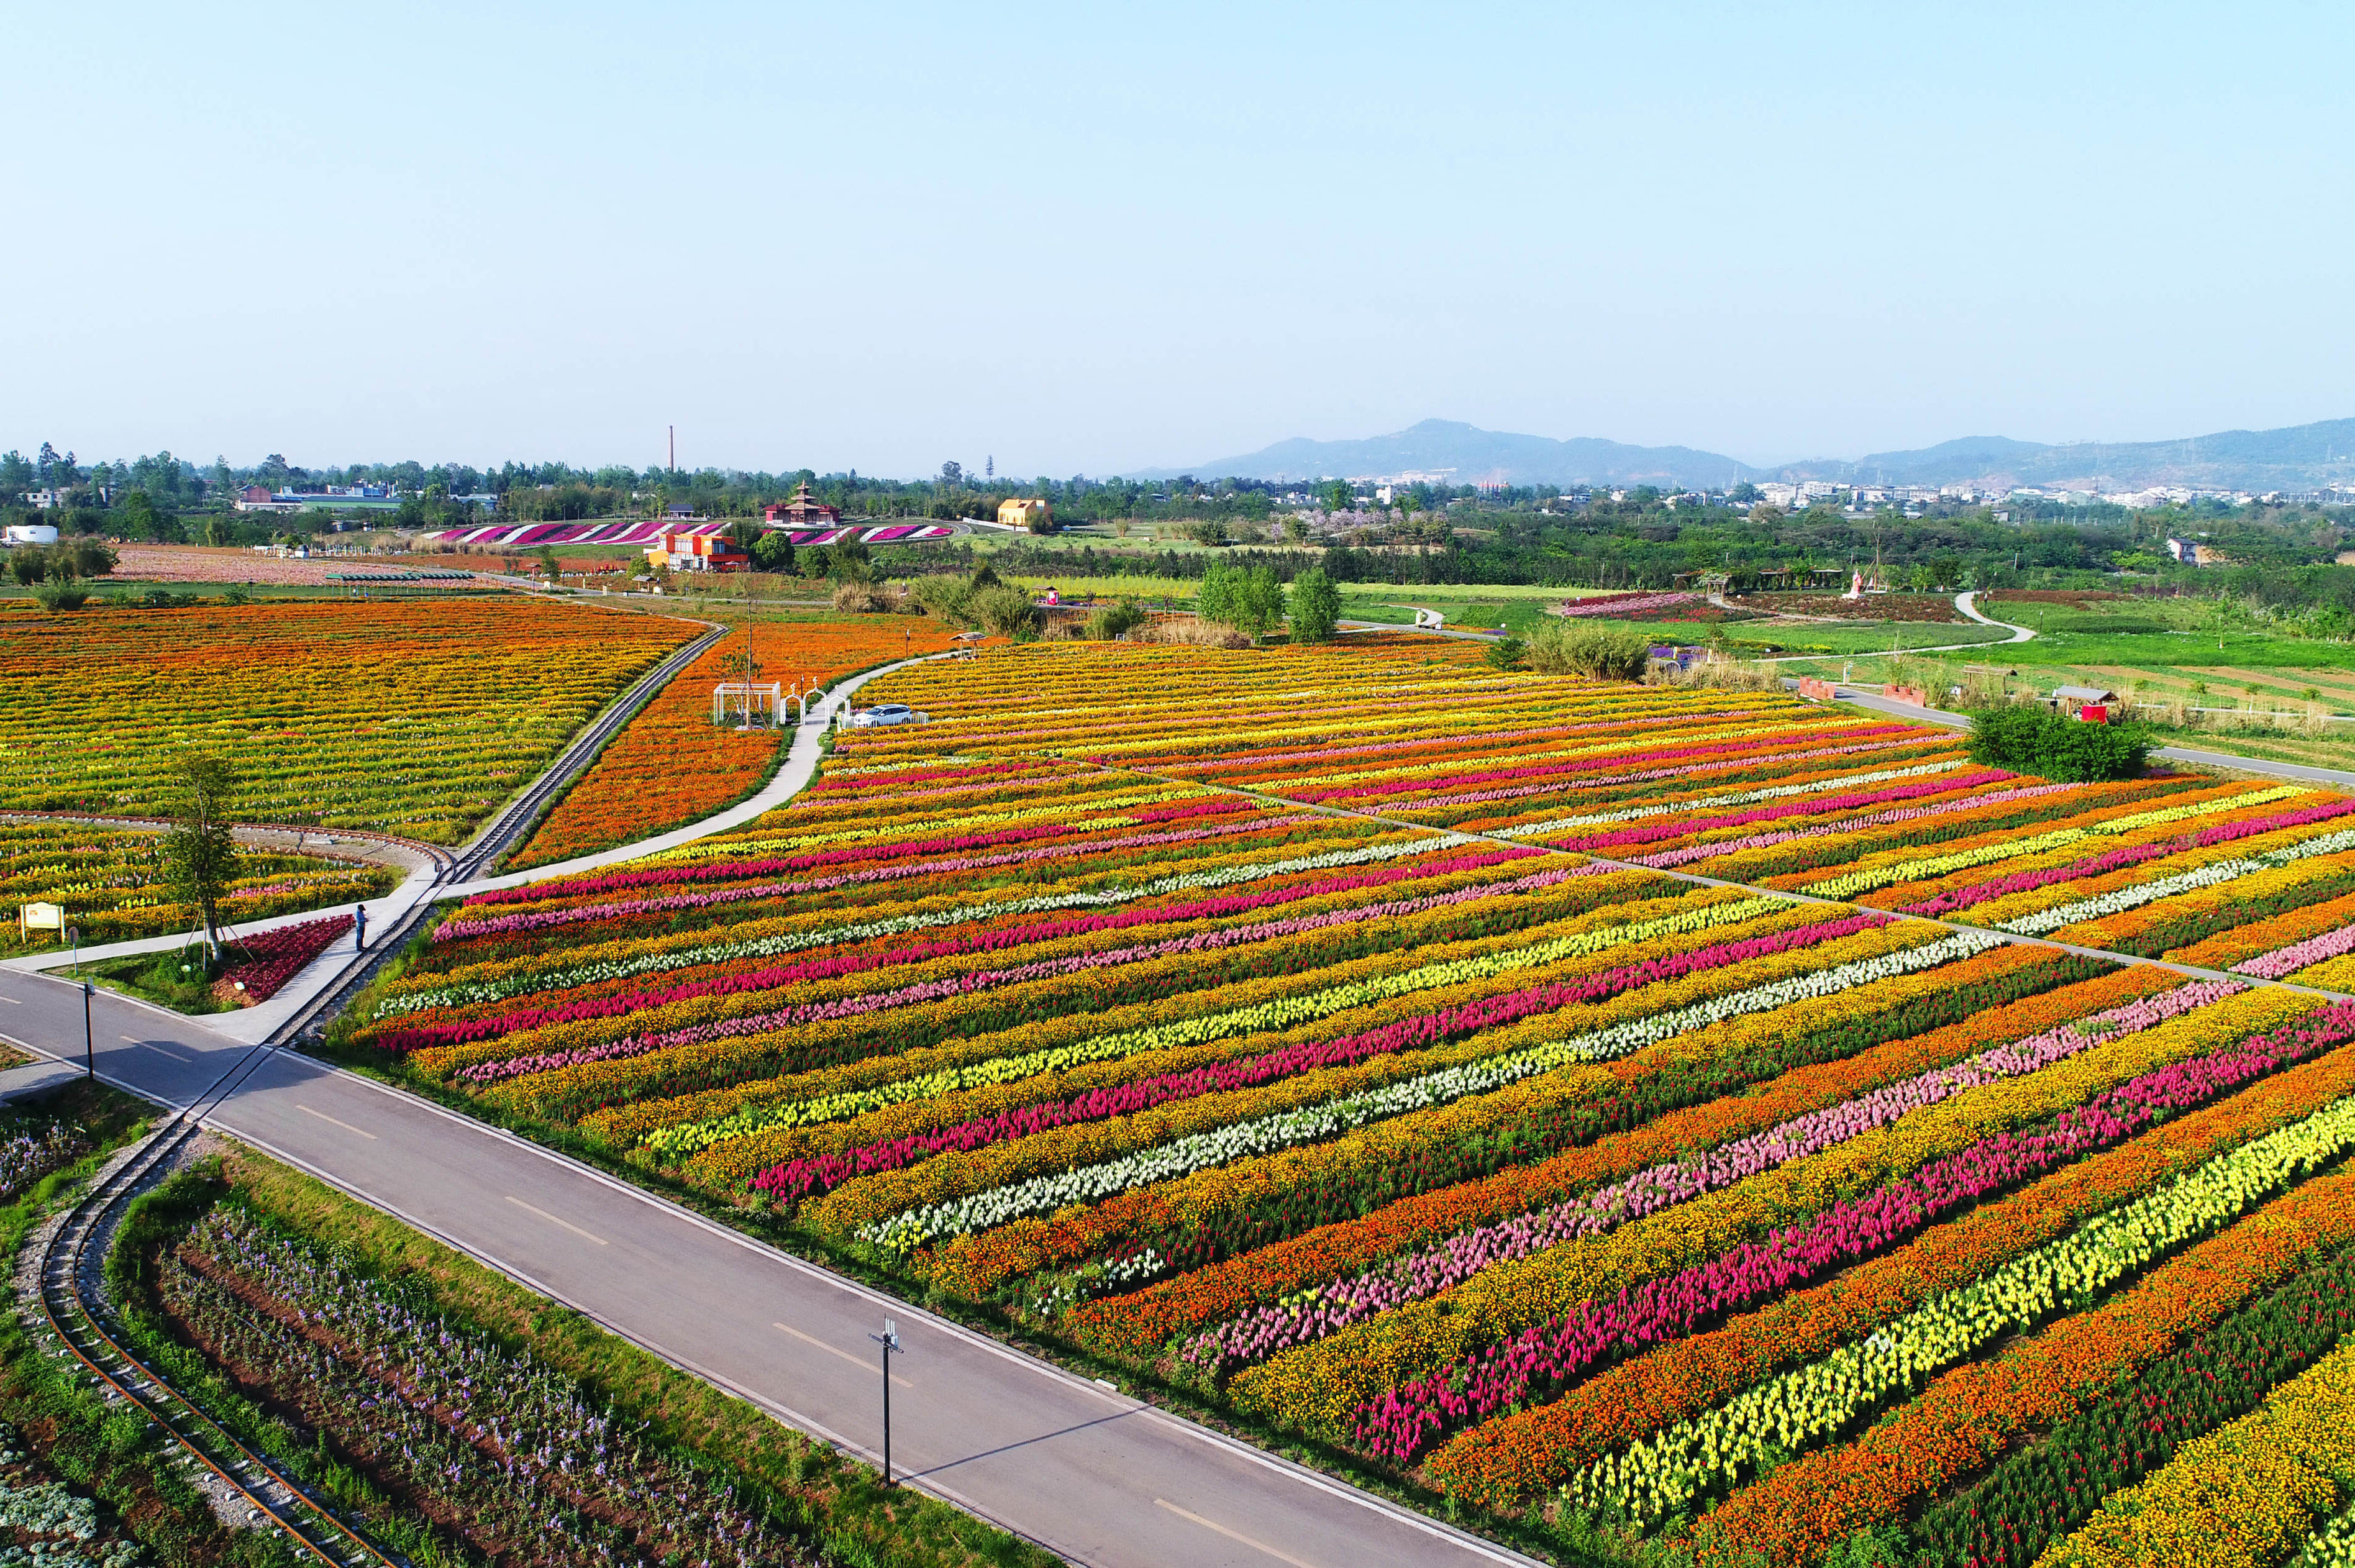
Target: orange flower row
point(672, 764)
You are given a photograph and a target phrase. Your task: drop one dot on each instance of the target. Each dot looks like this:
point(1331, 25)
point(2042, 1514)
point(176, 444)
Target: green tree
point(1249, 599)
point(773, 552)
point(200, 852)
point(549, 566)
point(1315, 606)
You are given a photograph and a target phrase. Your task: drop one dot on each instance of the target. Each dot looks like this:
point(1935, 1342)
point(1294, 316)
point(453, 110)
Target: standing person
point(360, 928)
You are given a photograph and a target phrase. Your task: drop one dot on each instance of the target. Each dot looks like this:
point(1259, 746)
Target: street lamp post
point(89, 1051)
point(890, 1341)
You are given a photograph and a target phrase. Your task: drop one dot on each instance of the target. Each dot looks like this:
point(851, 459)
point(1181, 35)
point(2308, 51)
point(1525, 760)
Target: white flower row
point(1267, 1135)
point(898, 925)
point(1281, 1012)
point(1712, 802)
point(2206, 876)
point(1664, 1474)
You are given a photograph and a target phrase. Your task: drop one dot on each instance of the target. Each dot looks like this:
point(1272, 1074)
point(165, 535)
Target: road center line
point(11, 1001)
point(813, 1340)
point(529, 1208)
point(1213, 1524)
point(332, 1122)
point(161, 1051)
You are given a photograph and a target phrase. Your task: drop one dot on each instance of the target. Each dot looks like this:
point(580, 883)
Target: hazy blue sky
point(1093, 237)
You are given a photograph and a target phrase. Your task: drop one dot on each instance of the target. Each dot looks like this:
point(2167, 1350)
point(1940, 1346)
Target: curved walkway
point(793, 777)
point(1967, 602)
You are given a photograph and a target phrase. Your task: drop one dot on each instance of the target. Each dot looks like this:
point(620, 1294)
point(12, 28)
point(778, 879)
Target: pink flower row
point(1691, 852)
point(989, 979)
point(1680, 826)
point(1621, 604)
point(1487, 738)
point(820, 1173)
point(1540, 1360)
point(1568, 771)
point(1737, 764)
point(2288, 960)
point(1265, 1330)
point(534, 920)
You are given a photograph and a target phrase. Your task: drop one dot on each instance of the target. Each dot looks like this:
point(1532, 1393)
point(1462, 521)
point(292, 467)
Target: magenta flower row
point(1042, 969)
point(734, 870)
point(1679, 827)
point(1488, 739)
point(1570, 770)
point(1687, 771)
point(535, 920)
point(820, 1173)
point(1265, 1330)
point(1404, 1420)
point(2127, 855)
point(1691, 852)
point(465, 1031)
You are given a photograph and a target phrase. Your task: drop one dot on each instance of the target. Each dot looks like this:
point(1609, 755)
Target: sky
point(1091, 238)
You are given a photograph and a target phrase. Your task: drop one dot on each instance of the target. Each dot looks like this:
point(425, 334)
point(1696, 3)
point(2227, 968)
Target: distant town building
point(1020, 514)
point(44, 500)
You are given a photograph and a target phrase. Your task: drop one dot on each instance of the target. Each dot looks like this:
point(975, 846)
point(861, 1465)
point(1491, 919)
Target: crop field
point(113, 886)
point(672, 764)
point(415, 718)
point(1343, 1037)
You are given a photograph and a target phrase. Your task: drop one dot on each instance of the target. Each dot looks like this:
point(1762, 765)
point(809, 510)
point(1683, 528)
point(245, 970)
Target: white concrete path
point(793, 777)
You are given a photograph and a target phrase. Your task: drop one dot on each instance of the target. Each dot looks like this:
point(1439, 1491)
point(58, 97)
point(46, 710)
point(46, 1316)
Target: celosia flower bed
point(416, 718)
point(1325, 1031)
point(262, 962)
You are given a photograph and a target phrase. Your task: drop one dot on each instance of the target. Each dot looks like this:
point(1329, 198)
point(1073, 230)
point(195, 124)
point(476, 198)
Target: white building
point(32, 533)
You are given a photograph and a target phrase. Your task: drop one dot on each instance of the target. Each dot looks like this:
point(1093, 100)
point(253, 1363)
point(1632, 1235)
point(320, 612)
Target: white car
point(886, 713)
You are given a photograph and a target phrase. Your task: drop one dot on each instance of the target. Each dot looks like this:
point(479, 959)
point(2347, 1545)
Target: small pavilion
point(801, 512)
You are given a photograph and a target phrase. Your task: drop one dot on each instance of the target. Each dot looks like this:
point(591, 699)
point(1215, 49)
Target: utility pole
point(890, 1341)
point(674, 451)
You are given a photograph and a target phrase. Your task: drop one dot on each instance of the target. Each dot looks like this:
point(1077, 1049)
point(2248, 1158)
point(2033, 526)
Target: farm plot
point(417, 719)
point(113, 886)
point(1330, 1033)
point(673, 766)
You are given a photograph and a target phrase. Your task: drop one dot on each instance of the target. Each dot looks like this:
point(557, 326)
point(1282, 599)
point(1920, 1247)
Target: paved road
point(1087, 1472)
point(2335, 777)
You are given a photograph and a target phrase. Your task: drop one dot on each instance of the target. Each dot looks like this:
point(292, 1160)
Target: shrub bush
point(2033, 740)
point(1598, 653)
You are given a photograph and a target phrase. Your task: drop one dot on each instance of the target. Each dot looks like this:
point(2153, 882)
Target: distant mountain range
point(2300, 457)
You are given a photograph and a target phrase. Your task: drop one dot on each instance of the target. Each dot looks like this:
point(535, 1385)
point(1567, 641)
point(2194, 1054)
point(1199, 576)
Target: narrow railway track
point(72, 1305)
point(72, 1260)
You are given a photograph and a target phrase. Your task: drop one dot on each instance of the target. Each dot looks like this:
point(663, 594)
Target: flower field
point(1657, 1113)
point(111, 884)
point(672, 764)
point(415, 717)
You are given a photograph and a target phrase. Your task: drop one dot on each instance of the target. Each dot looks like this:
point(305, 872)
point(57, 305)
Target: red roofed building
point(801, 512)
